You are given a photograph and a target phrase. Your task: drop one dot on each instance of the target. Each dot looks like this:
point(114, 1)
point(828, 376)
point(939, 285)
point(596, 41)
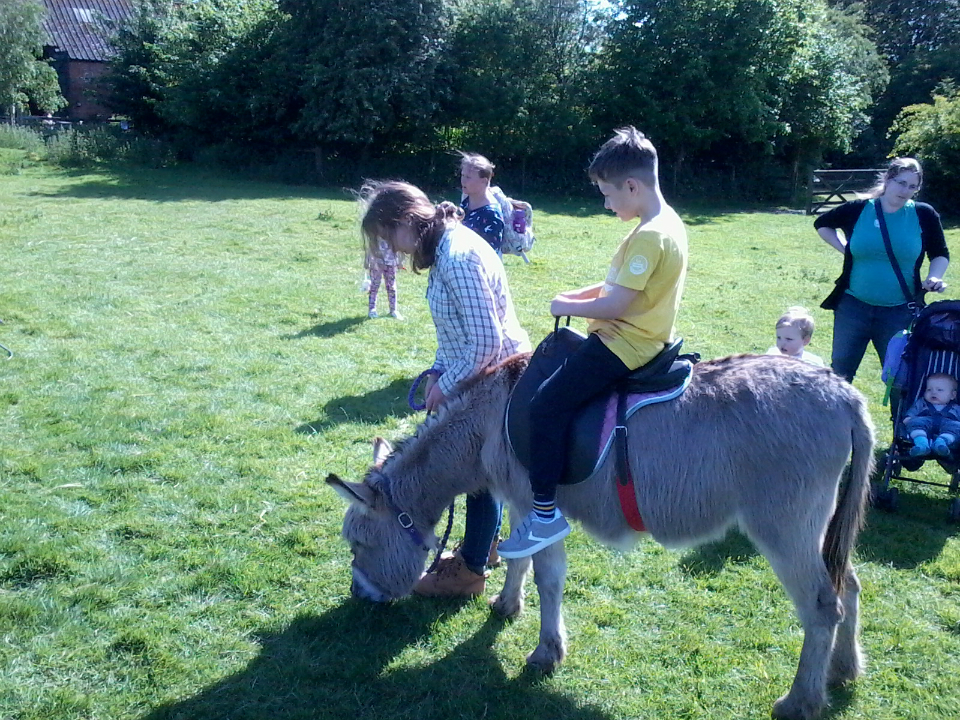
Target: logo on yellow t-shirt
point(638, 264)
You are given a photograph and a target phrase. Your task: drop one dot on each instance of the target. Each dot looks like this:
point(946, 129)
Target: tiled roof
point(76, 27)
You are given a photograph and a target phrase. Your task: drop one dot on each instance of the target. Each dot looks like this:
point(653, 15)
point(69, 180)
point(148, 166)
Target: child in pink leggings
point(384, 268)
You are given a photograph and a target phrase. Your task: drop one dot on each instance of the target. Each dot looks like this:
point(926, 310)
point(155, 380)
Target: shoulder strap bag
point(914, 302)
point(892, 362)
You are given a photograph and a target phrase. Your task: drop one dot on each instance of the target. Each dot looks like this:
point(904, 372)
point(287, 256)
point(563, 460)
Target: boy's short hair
point(800, 318)
point(942, 376)
point(629, 153)
point(478, 162)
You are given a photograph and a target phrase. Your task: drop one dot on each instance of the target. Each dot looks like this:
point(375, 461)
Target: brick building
point(77, 32)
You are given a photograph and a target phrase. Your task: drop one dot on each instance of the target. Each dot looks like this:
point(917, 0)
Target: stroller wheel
point(884, 498)
point(893, 499)
point(953, 514)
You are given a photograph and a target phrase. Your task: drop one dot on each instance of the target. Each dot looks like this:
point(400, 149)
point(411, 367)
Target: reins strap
point(625, 487)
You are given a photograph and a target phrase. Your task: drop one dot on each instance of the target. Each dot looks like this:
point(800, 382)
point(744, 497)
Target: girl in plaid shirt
point(476, 326)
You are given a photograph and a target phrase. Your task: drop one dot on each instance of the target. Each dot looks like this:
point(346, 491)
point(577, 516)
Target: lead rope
point(443, 542)
point(414, 405)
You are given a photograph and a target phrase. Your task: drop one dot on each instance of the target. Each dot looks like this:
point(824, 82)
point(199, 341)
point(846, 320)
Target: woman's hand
point(933, 284)
point(435, 397)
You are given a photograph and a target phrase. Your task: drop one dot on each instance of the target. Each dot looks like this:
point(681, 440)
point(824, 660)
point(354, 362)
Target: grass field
point(191, 356)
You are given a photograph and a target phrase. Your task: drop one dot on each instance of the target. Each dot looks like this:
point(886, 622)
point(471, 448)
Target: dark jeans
point(480, 528)
point(591, 370)
point(855, 323)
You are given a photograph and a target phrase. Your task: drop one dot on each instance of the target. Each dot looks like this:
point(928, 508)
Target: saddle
point(590, 435)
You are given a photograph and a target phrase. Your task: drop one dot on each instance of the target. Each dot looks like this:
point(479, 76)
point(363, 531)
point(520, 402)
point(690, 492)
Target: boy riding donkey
point(632, 315)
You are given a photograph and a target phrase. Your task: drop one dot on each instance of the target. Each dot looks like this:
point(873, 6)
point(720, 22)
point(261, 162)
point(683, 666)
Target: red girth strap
point(625, 489)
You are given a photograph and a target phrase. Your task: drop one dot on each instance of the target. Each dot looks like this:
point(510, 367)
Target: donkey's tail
point(851, 508)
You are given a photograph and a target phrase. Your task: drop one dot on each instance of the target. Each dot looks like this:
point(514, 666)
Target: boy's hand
point(934, 284)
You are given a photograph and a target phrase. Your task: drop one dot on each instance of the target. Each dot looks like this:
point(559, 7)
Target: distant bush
point(83, 147)
point(15, 137)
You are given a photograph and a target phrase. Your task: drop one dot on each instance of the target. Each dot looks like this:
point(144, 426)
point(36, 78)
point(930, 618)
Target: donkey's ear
point(381, 451)
point(352, 492)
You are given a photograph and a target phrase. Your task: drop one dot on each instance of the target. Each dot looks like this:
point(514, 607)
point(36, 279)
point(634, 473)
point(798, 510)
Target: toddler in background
point(794, 332)
point(383, 267)
point(937, 415)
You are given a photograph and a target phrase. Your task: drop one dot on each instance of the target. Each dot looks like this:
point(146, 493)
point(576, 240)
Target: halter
point(406, 522)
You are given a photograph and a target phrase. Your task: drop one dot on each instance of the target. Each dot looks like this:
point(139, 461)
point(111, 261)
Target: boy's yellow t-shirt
point(653, 260)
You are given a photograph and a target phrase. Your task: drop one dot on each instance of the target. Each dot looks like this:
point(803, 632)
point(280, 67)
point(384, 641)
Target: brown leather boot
point(451, 578)
point(494, 559)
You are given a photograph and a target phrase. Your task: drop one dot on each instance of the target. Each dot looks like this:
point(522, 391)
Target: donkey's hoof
point(546, 657)
point(789, 708)
point(844, 671)
point(505, 606)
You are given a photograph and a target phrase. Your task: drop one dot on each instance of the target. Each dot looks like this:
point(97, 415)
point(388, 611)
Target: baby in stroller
point(934, 415)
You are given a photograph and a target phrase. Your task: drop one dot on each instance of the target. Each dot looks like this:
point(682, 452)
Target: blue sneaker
point(534, 534)
point(921, 447)
point(941, 447)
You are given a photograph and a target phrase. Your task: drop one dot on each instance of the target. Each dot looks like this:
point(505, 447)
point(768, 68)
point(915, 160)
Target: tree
point(696, 73)
point(834, 77)
point(920, 41)
point(24, 77)
point(166, 73)
point(365, 73)
point(520, 70)
point(931, 132)
point(737, 83)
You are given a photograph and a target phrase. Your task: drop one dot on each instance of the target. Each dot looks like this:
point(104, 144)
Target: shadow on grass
point(329, 329)
point(183, 184)
point(712, 558)
point(372, 407)
point(916, 533)
point(339, 665)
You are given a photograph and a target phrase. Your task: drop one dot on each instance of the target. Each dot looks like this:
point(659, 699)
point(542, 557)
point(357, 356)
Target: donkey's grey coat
point(756, 442)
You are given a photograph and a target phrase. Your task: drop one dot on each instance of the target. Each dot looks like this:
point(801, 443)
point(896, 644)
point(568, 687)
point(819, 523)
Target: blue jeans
point(855, 323)
point(480, 528)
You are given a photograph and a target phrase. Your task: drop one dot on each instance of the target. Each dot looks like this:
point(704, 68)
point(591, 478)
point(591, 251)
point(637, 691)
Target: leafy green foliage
point(24, 77)
point(931, 132)
point(738, 79)
point(920, 41)
point(521, 71)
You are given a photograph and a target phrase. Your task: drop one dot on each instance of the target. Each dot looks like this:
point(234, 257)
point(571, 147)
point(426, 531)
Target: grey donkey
point(756, 442)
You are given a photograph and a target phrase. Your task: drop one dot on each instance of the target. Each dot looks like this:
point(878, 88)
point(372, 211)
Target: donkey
point(757, 442)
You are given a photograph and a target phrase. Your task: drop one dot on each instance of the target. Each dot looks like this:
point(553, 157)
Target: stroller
point(933, 346)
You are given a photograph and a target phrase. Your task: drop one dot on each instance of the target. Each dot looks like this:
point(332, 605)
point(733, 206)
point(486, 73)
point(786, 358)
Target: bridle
point(403, 517)
point(406, 522)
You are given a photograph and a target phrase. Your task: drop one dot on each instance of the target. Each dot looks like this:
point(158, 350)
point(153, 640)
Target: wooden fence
point(829, 188)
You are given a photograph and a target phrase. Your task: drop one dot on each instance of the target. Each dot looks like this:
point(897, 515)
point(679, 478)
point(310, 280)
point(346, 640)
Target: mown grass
point(191, 358)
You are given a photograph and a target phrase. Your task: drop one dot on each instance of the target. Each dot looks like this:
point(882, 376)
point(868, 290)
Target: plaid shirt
point(471, 307)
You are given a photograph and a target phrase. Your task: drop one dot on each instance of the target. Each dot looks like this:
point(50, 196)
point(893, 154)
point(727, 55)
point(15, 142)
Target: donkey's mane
point(509, 371)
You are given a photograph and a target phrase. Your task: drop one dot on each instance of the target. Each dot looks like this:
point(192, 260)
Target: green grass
point(191, 358)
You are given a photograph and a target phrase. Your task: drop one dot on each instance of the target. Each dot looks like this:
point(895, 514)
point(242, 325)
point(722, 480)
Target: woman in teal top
point(868, 301)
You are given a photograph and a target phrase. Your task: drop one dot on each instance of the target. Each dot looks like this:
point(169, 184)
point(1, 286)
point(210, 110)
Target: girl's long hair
point(385, 205)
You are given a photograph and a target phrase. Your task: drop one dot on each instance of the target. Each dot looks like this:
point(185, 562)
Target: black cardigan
point(844, 217)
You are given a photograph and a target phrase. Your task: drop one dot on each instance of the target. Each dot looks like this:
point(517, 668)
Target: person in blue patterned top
point(482, 212)
point(476, 326)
